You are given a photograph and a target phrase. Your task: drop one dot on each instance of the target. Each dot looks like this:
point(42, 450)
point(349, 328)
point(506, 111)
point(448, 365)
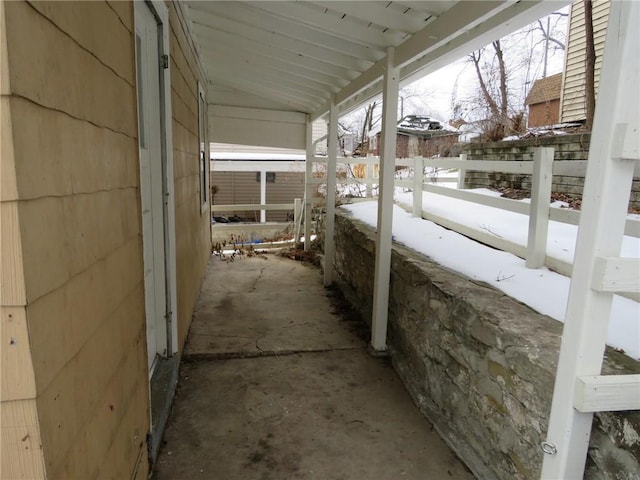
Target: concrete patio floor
point(276, 383)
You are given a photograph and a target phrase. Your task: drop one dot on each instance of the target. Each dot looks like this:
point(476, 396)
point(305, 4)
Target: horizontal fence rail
point(542, 169)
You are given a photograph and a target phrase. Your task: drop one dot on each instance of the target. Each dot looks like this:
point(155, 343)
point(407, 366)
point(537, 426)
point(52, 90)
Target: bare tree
point(497, 100)
point(590, 65)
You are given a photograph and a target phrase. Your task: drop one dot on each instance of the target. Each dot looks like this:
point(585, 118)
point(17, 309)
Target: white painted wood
point(462, 172)
point(385, 205)
point(497, 202)
point(258, 114)
point(263, 194)
point(363, 81)
point(204, 152)
point(241, 207)
point(610, 393)
point(313, 15)
point(151, 181)
point(242, 45)
point(602, 223)
point(570, 168)
point(350, 160)
point(539, 207)
point(626, 142)
point(304, 83)
point(380, 14)
point(308, 205)
point(297, 218)
point(257, 127)
point(259, 36)
point(258, 165)
point(162, 13)
point(616, 275)
point(329, 230)
point(268, 91)
point(286, 83)
point(418, 178)
point(264, 19)
point(370, 177)
point(505, 166)
point(219, 53)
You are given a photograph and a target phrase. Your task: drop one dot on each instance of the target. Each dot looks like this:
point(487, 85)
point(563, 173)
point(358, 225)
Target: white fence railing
point(539, 210)
point(296, 207)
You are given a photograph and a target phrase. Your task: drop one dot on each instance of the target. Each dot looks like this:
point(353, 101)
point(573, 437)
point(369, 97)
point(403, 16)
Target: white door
point(152, 185)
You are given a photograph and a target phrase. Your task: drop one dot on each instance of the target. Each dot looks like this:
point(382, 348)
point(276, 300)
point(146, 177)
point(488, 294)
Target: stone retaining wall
point(567, 147)
point(479, 364)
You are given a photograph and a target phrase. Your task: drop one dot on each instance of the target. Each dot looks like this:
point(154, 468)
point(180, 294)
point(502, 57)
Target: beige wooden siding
point(287, 187)
point(193, 241)
point(75, 160)
point(573, 96)
point(243, 188)
point(236, 188)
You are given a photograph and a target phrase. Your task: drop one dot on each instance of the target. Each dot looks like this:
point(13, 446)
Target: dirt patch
point(300, 255)
point(340, 306)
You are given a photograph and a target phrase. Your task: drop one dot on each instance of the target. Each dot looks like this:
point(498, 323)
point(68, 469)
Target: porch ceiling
point(294, 55)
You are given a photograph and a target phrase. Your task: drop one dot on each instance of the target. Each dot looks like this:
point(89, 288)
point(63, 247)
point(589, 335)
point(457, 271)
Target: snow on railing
point(539, 209)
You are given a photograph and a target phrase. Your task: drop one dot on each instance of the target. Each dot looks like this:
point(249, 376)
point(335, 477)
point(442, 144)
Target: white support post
point(418, 177)
point(369, 177)
point(462, 172)
point(385, 205)
point(263, 194)
point(332, 152)
point(308, 177)
point(539, 209)
point(297, 218)
point(602, 221)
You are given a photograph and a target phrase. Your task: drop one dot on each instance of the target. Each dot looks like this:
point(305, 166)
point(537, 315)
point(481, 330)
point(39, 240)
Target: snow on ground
point(541, 289)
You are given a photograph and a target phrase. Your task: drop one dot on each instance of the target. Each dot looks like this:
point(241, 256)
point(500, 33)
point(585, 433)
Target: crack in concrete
point(195, 357)
point(255, 283)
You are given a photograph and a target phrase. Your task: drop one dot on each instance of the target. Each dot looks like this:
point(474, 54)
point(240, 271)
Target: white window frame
point(203, 151)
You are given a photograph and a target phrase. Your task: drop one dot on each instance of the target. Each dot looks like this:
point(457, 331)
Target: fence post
point(369, 175)
point(297, 218)
point(539, 209)
point(462, 172)
point(418, 178)
point(308, 178)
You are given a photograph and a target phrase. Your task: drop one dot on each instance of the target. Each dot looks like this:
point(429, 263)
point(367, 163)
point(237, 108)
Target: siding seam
point(80, 272)
point(82, 46)
point(119, 18)
point(53, 109)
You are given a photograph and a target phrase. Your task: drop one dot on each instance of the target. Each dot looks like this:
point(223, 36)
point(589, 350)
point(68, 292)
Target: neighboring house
point(418, 135)
point(572, 101)
point(544, 101)
point(246, 175)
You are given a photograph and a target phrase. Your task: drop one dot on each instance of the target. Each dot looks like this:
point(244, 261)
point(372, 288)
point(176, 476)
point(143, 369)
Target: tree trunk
point(590, 65)
point(504, 112)
point(483, 87)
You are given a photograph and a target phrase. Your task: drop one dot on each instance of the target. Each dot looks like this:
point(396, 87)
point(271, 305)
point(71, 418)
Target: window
point(271, 177)
point(203, 150)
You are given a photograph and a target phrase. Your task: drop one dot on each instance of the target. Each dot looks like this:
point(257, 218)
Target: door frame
point(160, 10)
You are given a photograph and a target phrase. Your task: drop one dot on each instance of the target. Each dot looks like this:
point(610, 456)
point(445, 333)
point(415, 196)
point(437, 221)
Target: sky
point(543, 290)
point(432, 95)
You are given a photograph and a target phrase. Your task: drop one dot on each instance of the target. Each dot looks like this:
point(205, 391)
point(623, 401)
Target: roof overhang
point(301, 55)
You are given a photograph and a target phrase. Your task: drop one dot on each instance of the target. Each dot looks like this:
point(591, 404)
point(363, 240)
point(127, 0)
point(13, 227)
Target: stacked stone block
point(479, 364)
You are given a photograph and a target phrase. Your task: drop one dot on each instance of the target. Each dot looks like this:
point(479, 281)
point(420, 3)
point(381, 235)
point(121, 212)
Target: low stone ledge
point(479, 364)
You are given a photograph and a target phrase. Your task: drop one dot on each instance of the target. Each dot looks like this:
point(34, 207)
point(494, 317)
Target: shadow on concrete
point(276, 383)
